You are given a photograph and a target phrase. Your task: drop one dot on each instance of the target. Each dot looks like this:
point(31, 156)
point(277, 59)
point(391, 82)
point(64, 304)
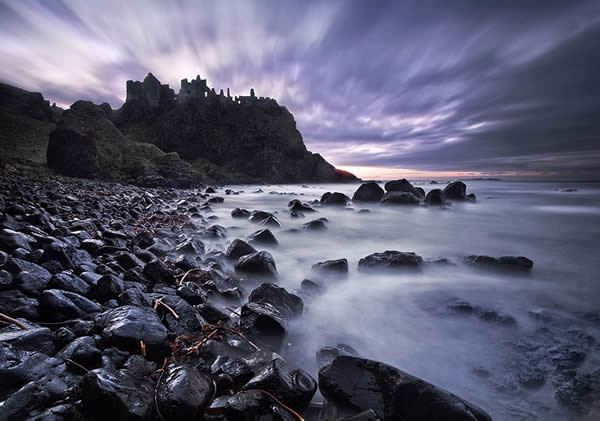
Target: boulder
point(354, 385)
point(435, 197)
point(60, 306)
point(263, 237)
point(259, 264)
point(399, 198)
point(402, 186)
point(334, 199)
point(457, 190)
point(240, 213)
point(368, 192)
point(239, 248)
point(110, 394)
point(183, 393)
point(252, 405)
point(314, 225)
point(34, 339)
point(390, 260)
point(289, 305)
point(297, 206)
point(505, 263)
point(264, 323)
point(294, 388)
point(331, 268)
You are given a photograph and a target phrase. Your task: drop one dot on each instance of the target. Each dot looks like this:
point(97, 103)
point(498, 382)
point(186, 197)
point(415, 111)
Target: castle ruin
point(197, 90)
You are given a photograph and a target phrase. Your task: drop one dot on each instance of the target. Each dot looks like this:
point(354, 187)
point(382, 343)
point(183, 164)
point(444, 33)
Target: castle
point(197, 90)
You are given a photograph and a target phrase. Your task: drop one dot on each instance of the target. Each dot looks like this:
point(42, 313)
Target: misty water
point(404, 319)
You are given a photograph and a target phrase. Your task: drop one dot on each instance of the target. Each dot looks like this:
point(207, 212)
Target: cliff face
point(241, 139)
point(87, 144)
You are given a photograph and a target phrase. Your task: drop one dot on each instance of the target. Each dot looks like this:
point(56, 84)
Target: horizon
point(502, 91)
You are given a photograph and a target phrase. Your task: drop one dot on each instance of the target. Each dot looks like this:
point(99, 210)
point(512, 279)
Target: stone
point(456, 190)
point(259, 264)
point(435, 197)
point(327, 354)
point(264, 323)
point(239, 248)
point(257, 216)
point(314, 225)
point(399, 198)
point(69, 282)
point(29, 277)
point(240, 213)
point(128, 261)
point(354, 385)
point(216, 232)
point(60, 306)
point(16, 304)
point(297, 206)
point(263, 237)
point(125, 326)
point(507, 263)
point(289, 305)
point(158, 272)
point(401, 186)
point(294, 388)
point(390, 260)
point(33, 339)
point(110, 394)
point(108, 288)
point(252, 405)
point(337, 269)
point(368, 192)
point(183, 393)
point(83, 351)
point(334, 199)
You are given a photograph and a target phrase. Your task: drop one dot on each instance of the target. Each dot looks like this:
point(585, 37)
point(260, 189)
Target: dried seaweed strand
point(12, 321)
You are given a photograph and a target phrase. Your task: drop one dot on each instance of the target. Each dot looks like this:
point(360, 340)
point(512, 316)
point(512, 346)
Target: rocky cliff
point(241, 139)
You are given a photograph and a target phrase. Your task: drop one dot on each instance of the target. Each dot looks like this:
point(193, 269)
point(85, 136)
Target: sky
point(412, 88)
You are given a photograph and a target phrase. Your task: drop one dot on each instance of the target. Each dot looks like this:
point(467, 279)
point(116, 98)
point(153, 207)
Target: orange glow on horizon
point(387, 173)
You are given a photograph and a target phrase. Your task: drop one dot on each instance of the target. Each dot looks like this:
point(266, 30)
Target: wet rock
point(390, 260)
point(16, 304)
point(125, 326)
point(92, 245)
point(216, 232)
point(6, 280)
point(578, 391)
point(109, 287)
point(128, 261)
point(271, 221)
point(368, 192)
point(263, 237)
point(193, 246)
point(252, 405)
point(507, 263)
point(457, 190)
point(23, 402)
point(257, 216)
point(399, 198)
point(33, 339)
point(314, 225)
point(183, 393)
point(435, 197)
point(11, 240)
point(157, 271)
point(29, 277)
point(239, 248)
point(83, 351)
point(188, 321)
point(297, 206)
point(355, 385)
point(263, 322)
point(257, 264)
point(334, 199)
point(110, 394)
point(294, 388)
point(337, 269)
point(235, 368)
point(69, 282)
point(240, 213)
point(368, 415)
point(59, 305)
point(402, 186)
point(289, 305)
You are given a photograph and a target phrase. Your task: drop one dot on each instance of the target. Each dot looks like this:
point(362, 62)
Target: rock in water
point(289, 305)
point(294, 388)
point(435, 198)
point(183, 393)
point(265, 323)
point(354, 385)
point(399, 198)
point(368, 192)
point(259, 264)
point(334, 199)
point(337, 269)
point(403, 186)
point(507, 263)
point(239, 248)
point(457, 190)
point(390, 260)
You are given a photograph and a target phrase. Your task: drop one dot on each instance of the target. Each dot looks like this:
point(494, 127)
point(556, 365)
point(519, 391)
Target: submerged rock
point(390, 260)
point(368, 192)
point(334, 199)
point(508, 263)
point(289, 305)
point(259, 264)
point(239, 248)
point(263, 237)
point(265, 323)
point(399, 198)
point(435, 197)
point(457, 190)
point(354, 385)
point(331, 268)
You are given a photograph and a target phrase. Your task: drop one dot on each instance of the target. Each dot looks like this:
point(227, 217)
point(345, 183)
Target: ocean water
point(404, 319)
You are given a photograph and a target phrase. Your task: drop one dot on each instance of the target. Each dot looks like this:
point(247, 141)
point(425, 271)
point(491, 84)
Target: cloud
point(508, 86)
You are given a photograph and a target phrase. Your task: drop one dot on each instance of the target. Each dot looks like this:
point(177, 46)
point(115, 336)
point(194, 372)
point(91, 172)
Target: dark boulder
point(354, 385)
point(257, 264)
point(34, 339)
point(327, 354)
point(264, 323)
point(399, 198)
point(183, 393)
point(110, 394)
point(402, 186)
point(157, 271)
point(390, 260)
point(457, 190)
point(257, 216)
point(298, 206)
point(124, 327)
point(334, 199)
point(505, 263)
point(69, 282)
point(83, 351)
point(59, 305)
point(294, 388)
point(29, 277)
point(368, 192)
point(263, 237)
point(109, 287)
point(289, 305)
point(435, 198)
point(239, 248)
point(240, 213)
point(252, 405)
point(271, 221)
point(314, 225)
point(331, 268)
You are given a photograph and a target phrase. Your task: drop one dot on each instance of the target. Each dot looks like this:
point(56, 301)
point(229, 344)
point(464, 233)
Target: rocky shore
point(115, 302)
point(114, 306)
